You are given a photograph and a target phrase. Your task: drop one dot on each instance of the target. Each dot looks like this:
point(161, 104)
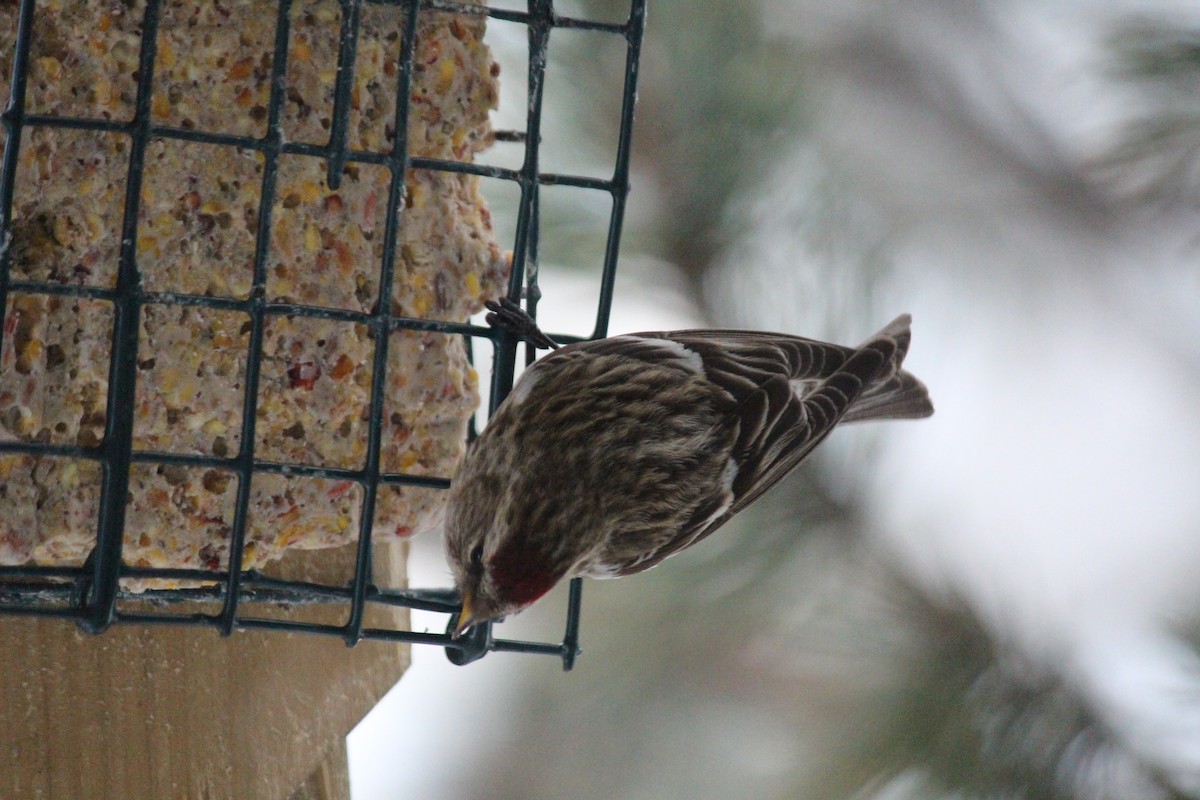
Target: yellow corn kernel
point(312, 238)
point(309, 191)
point(215, 427)
point(51, 66)
point(446, 71)
point(62, 229)
point(472, 282)
point(25, 421)
point(166, 53)
point(169, 380)
point(68, 477)
point(103, 91)
point(301, 51)
point(160, 106)
point(418, 195)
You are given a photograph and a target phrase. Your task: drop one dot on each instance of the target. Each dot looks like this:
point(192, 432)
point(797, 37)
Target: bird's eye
point(477, 556)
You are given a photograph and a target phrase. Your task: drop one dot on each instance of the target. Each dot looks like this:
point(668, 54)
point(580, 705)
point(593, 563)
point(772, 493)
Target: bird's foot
point(509, 316)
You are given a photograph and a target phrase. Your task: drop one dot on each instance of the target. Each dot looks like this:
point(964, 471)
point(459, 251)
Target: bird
point(610, 455)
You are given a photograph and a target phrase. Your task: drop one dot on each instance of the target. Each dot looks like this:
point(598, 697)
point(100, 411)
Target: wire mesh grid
point(92, 595)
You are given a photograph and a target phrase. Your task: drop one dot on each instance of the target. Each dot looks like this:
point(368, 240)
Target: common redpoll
point(608, 456)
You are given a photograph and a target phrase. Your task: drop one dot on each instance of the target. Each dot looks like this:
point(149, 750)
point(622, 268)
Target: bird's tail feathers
point(897, 394)
point(903, 397)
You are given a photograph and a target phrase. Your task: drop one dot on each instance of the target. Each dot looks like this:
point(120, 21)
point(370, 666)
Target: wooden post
point(170, 712)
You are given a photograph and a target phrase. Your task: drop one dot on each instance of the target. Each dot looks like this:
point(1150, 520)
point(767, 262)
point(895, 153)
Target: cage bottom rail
point(45, 598)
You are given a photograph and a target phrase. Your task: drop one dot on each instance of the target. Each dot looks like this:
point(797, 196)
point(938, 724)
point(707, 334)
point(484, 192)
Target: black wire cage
point(95, 594)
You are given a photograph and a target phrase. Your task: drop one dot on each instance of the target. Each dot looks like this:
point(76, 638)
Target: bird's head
point(500, 564)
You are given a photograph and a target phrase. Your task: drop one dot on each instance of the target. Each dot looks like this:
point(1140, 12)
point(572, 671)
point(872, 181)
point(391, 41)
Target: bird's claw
point(508, 315)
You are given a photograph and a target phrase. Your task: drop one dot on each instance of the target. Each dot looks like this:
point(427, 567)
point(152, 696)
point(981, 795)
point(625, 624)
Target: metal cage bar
point(91, 595)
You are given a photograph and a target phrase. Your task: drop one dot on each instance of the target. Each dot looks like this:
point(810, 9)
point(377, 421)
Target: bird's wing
point(785, 394)
point(777, 425)
point(776, 429)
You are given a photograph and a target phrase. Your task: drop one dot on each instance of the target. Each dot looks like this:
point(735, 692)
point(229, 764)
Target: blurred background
point(998, 602)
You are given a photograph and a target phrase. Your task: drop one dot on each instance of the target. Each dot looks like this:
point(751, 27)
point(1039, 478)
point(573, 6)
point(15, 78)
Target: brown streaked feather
point(778, 427)
point(800, 424)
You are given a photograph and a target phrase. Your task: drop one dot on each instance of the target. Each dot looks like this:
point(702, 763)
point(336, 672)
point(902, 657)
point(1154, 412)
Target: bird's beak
point(466, 617)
